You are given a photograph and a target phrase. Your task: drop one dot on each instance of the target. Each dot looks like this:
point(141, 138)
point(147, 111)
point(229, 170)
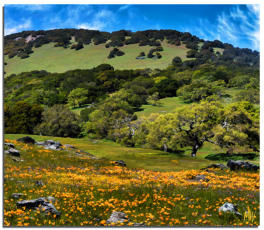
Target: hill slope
point(59, 59)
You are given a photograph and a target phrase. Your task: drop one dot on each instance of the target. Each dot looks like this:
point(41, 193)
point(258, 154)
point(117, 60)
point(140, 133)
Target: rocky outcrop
point(43, 204)
point(50, 144)
point(241, 165)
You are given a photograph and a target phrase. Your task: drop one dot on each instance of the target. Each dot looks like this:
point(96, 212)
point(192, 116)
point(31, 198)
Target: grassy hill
point(59, 59)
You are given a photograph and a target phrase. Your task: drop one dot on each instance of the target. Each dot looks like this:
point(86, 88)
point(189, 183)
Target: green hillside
point(59, 59)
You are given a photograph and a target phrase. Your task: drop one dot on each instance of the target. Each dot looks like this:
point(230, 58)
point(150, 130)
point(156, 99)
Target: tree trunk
point(194, 150)
point(165, 148)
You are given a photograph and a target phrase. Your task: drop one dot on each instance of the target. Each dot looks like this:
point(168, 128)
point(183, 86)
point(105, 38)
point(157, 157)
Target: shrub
point(59, 121)
point(21, 117)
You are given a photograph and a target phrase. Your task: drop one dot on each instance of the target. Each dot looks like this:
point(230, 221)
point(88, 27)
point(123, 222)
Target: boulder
point(120, 163)
point(241, 165)
point(117, 217)
point(10, 145)
point(13, 152)
point(41, 204)
point(229, 207)
point(26, 140)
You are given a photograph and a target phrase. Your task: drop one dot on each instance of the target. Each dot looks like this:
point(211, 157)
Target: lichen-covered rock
point(229, 207)
point(241, 165)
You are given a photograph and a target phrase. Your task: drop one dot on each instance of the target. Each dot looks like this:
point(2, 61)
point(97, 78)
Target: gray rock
point(13, 152)
point(229, 207)
point(39, 183)
point(41, 204)
point(17, 195)
point(26, 140)
point(241, 165)
point(117, 217)
point(50, 144)
point(120, 163)
point(9, 145)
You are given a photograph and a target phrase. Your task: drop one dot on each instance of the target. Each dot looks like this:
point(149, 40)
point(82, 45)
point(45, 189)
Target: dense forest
point(42, 102)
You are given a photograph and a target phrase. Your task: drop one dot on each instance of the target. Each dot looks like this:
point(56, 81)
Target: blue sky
point(235, 24)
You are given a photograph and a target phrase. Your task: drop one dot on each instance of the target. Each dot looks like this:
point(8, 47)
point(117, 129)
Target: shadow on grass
point(235, 156)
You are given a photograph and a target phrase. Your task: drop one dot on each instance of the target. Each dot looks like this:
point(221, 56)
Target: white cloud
point(124, 7)
point(93, 26)
point(12, 28)
point(236, 27)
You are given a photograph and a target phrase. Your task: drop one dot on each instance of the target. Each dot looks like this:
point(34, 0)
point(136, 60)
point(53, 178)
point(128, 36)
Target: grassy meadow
point(59, 59)
point(88, 190)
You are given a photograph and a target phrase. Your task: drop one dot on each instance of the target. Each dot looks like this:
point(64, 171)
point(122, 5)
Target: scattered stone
point(13, 152)
point(200, 178)
point(17, 160)
point(39, 183)
point(117, 217)
point(41, 204)
point(10, 145)
point(220, 166)
point(120, 163)
point(26, 140)
point(241, 165)
point(17, 195)
point(229, 207)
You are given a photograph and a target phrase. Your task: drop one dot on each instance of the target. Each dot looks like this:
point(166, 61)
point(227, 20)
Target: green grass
point(58, 59)
point(134, 157)
point(167, 105)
